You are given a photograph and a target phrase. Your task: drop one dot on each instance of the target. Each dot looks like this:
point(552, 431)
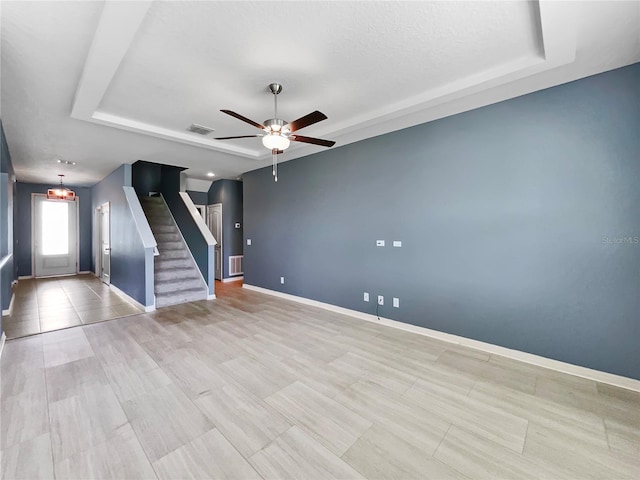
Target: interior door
point(105, 243)
point(55, 246)
point(214, 222)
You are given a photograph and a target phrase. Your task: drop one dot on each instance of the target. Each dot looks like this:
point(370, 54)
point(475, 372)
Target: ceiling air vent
point(199, 129)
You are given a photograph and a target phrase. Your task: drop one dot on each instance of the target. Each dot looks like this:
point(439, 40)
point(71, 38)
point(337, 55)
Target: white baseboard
point(9, 310)
point(85, 272)
point(233, 279)
point(584, 372)
point(25, 277)
point(211, 296)
point(117, 291)
point(2, 340)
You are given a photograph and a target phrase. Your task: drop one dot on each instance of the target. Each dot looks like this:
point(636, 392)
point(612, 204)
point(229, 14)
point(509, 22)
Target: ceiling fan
point(278, 133)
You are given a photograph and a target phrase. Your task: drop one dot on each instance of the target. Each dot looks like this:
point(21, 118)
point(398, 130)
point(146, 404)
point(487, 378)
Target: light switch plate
point(396, 302)
point(379, 243)
point(248, 241)
point(397, 243)
point(380, 300)
point(282, 280)
point(366, 296)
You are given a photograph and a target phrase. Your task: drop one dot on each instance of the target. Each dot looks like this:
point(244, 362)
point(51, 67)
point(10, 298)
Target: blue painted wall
point(23, 227)
point(519, 221)
point(229, 194)
point(199, 198)
point(154, 177)
point(127, 250)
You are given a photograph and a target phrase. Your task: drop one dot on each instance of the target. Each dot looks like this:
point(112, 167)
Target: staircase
point(176, 275)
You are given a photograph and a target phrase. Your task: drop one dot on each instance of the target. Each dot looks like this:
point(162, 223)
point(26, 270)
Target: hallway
point(47, 304)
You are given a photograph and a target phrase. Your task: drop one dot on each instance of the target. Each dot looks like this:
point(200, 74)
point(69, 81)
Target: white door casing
point(55, 236)
point(214, 222)
point(105, 243)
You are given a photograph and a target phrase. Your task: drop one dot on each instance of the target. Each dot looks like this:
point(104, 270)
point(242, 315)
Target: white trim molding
point(2, 340)
point(117, 291)
point(233, 279)
point(120, 22)
point(195, 214)
point(584, 372)
point(9, 311)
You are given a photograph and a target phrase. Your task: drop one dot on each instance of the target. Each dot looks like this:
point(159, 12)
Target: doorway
point(214, 222)
point(104, 236)
point(55, 237)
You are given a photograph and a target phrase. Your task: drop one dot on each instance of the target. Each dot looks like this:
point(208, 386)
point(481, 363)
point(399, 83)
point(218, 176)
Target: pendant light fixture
point(61, 192)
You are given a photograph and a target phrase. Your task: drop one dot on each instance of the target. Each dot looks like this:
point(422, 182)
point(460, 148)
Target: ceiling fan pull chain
point(274, 162)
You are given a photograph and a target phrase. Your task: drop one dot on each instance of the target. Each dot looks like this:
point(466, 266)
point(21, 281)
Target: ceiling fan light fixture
point(275, 141)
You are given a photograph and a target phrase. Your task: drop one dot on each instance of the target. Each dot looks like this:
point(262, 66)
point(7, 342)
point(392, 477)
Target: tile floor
point(250, 386)
point(46, 304)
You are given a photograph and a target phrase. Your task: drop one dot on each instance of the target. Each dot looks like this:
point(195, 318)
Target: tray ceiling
point(109, 83)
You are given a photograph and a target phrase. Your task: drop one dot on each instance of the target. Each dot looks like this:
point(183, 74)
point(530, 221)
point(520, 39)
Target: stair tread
point(175, 270)
point(178, 281)
point(177, 293)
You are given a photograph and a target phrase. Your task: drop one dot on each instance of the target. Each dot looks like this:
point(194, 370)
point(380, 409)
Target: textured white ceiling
point(321, 53)
point(136, 75)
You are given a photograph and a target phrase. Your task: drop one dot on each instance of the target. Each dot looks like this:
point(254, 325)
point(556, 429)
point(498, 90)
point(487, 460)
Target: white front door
point(214, 222)
point(55, 244)
point(105, 244)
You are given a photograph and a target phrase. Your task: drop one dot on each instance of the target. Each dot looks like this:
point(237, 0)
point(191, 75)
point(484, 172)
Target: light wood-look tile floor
point(48, 304)
point(250, 386)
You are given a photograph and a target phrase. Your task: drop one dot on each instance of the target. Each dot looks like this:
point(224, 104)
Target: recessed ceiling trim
point(558, 48)
point(121, 20)
point(107, 51)
point(188, 138)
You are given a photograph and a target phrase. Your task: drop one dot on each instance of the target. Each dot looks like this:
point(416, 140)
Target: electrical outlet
point(380, 300)
point(396, 302)
point(366, 296)
point(248, 241)
point(397, 243)
point(379, 243)
point(282, 280)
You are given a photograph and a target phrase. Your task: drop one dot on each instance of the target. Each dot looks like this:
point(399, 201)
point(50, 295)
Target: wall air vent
point(199, 129)
point(235, 265)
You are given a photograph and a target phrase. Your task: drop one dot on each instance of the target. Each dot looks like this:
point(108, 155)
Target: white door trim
point(76, 201)
point(100, 211)
point(219, 240)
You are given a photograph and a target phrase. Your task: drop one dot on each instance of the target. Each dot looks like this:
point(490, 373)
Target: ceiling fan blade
point(310, 119)
point(240, 136)
point(315, 141)
point(244, 119)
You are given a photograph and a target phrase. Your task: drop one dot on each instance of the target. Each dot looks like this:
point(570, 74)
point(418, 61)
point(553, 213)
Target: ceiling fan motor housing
point(274, 124)
point(275, 88)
